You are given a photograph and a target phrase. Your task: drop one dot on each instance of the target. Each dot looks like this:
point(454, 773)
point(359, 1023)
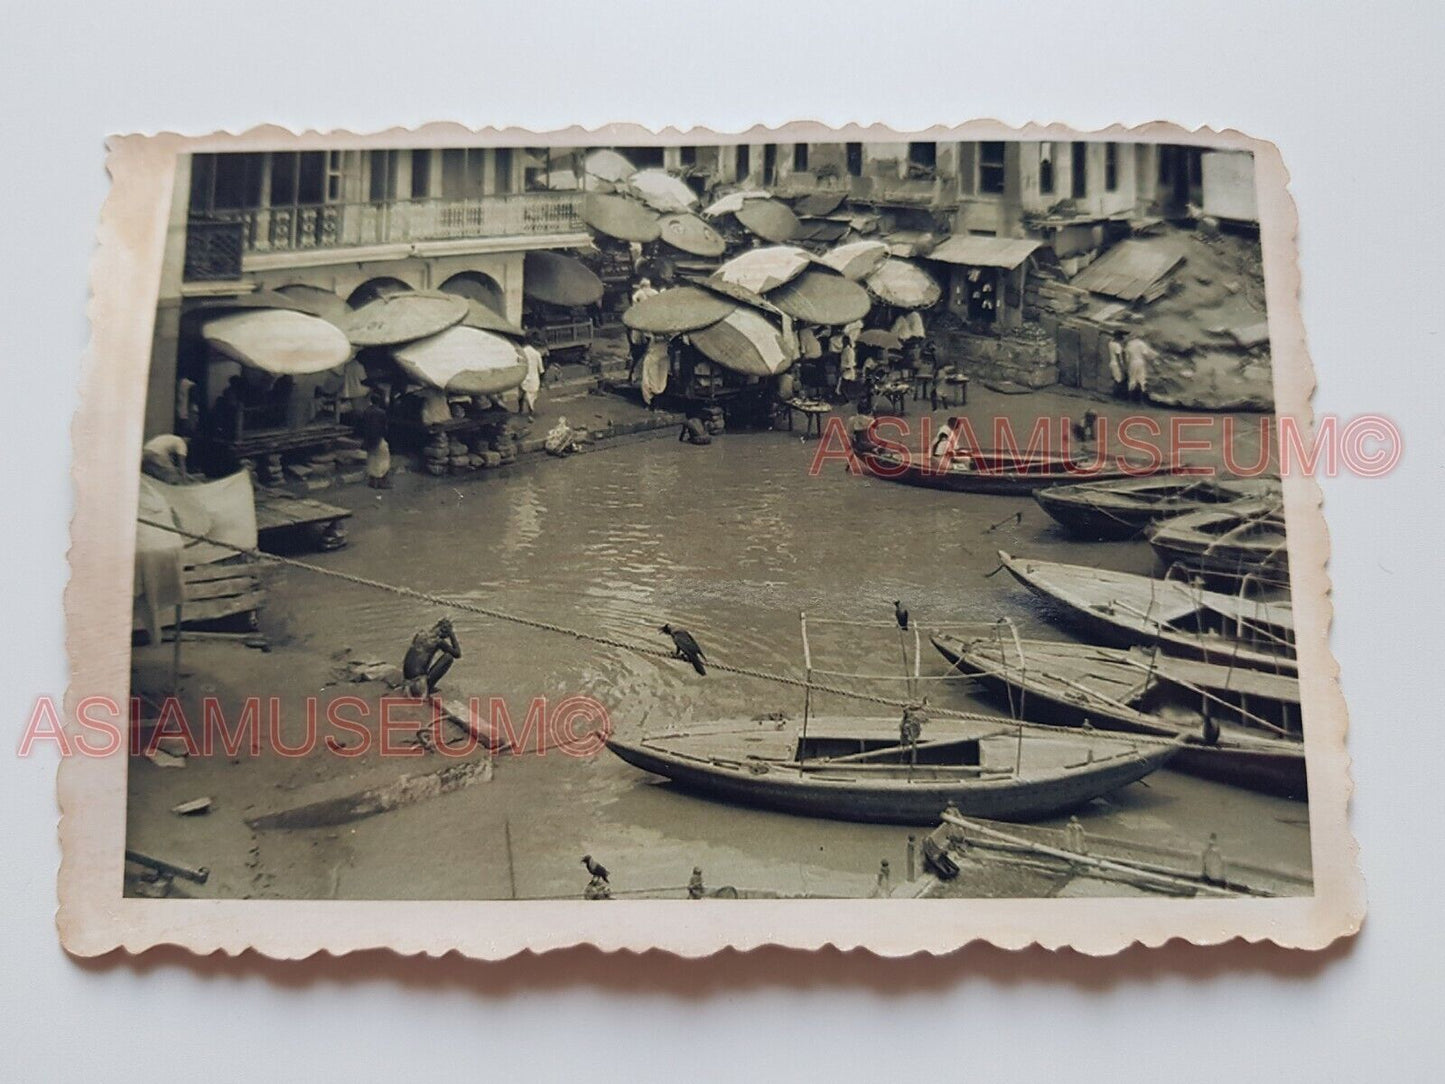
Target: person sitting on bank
point(164, 458)
point(430, 656)
point(560, 439)
point(694, 431)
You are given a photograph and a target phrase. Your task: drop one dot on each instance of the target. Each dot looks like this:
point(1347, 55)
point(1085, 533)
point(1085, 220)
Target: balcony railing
point(216, 244)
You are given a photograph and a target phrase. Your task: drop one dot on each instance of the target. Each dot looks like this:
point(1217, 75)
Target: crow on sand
point(687, 648)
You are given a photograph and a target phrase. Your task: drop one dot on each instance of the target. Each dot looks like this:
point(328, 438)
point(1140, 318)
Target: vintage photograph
point(738, 521)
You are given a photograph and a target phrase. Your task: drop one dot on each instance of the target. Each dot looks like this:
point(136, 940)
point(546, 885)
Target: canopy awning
point(683, 308)
point(856, 260)
point(764, 269)
point(770, 219)
point(555, 279)
point(621, 217)
point(823, 230)
point(904, 285)
point(608, 165)
point(821, 297)
point(482, 318)
point(692, 235)
point(746, 342)
point(662, 191)
point(317, 302)
point(464, 360)
point(279, 341)
point(818, 204)
point(402, 317)
point(733, 202)
point(910, 242)
point(1130, 269)
point(739, 293)
point(1004, 252)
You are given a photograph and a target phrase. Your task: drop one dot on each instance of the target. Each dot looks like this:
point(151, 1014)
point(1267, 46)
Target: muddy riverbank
point(731, 541)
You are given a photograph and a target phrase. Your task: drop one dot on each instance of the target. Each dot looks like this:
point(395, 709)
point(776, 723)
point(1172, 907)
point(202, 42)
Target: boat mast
point(807, 679)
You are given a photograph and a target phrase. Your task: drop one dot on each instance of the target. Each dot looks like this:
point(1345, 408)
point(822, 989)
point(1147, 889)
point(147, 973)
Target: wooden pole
point(176, 654)
point(807, 679)
point(511, 868)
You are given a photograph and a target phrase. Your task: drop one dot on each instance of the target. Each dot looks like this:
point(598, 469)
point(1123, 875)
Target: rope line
point(596, 638)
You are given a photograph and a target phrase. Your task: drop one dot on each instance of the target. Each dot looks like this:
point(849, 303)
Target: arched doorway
point(479, 287)
point(372, 289)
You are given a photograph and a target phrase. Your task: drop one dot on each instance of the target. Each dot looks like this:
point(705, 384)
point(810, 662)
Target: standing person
point(429, 657)
point(1138, 354)
point(638, 341)
point(187, 408)
point(1116, 365)
point(532, 382)
point(373, 429)
point(656, 364)
point(164, 458)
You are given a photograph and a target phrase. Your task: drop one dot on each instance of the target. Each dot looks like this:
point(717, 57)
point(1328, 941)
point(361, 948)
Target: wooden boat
point(1234, 542)
point(1122, 508)
point(1185, 620)
point(1074, 861)
point(986, 470)
point(1240, 726)
point(858, 769)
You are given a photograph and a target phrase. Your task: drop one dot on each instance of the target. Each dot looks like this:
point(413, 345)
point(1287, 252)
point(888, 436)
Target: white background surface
point(1351, 94)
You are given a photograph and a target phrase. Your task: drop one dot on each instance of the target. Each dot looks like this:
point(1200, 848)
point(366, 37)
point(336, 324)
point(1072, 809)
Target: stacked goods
point(436, 455)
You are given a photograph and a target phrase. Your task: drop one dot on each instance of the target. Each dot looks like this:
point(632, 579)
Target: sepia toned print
point(868, 538)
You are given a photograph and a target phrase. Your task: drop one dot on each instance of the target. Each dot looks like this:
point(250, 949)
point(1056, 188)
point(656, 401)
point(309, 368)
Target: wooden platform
point(278, 516)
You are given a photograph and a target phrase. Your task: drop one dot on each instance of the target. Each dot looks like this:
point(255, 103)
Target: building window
point(687, 155)
point(853, 154)
point(225, 182)
point(1046, 169)
point(335, 167)
point(300, 179)
point(923, 155)
point(464, 173)
point(744, 161)
point(1111, 167)
point(382, 182)
point(645, 157)
point(990, 168)
point(770, 163)
point(800, 158)
point(1079, 154)
point(503, 163)
point(420, 174)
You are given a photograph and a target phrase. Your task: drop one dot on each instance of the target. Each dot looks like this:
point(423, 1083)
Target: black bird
point(687, 648)
point(597, 869)
point(900, 613)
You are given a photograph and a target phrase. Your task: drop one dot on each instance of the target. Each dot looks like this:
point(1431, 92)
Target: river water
point(730, 541)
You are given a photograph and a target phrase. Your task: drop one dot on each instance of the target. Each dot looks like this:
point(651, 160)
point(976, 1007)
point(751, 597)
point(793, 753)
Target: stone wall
point(1023, 356)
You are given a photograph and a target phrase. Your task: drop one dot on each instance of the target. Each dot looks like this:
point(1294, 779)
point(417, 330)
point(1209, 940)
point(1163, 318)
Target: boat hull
point(836, 795)
point(1276, 768)
point(1016, 479)
point(1102, 627)
point(1088, 520)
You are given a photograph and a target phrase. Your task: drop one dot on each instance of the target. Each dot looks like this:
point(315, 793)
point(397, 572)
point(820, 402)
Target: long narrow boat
point(1233, 542)
point(1122, 508)
point(858, 770)
point(986, 470)
point(1063, 863)
point(1240, 726)
point(1122, 608)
